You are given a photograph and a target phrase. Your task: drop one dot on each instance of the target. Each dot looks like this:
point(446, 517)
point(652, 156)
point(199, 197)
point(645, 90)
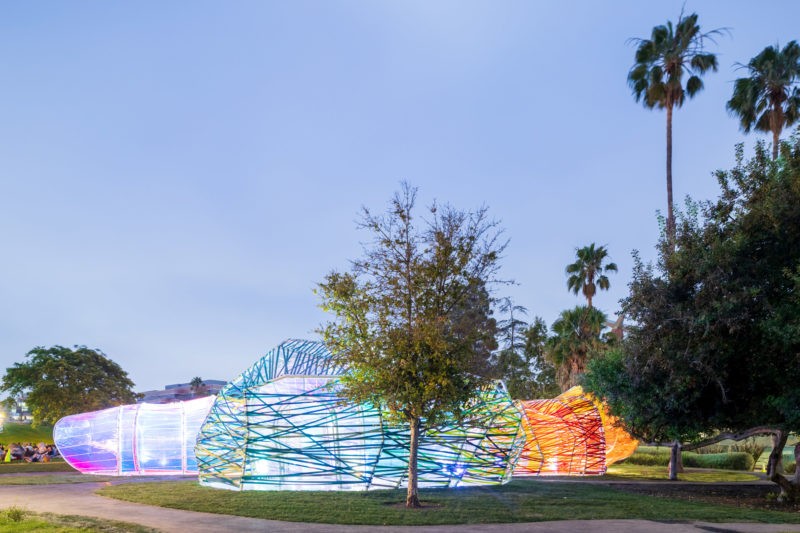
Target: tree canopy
point(576, 339)
point(59, 381)
point(521, 360)
point(717, 322)
point(769, 98)
point(413, 321)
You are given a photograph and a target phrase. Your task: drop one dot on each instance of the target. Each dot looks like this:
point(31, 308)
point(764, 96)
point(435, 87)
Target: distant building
point(19, 412)
point(180, 392)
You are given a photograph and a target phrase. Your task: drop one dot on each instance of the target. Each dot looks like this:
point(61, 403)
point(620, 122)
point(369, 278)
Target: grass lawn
point(522, 500)
point(16, 520)
point(25, 433)
point(629, 472)
point(21, 467)
point(51, 479)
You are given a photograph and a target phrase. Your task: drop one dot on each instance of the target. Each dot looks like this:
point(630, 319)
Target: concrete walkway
point(79, 499)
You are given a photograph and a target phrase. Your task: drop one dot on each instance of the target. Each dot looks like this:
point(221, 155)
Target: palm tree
point(196, 385)
point(769, 99)
point(587, 273)
point(656, 77)
point(577, 339)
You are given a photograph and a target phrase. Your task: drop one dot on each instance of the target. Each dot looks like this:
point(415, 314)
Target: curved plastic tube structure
point(571, 434)
point(139, 439)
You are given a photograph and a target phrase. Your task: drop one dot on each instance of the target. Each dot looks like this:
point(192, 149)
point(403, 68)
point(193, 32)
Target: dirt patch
point(744, 495)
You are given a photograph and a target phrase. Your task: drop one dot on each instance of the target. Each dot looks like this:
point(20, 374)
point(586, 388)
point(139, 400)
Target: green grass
point(51, 479)
point(522, 500)
point(15, 520)
point(25, 433)
point(630, 472)
point(20, 467)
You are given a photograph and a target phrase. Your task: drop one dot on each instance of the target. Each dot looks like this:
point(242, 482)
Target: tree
point(521, 361)
point(510, 361)
point(413, 319)
point(769, 99)
point(60, 381)
point(656, 77)
point(717, 323)
point(544, 384)
point(576, 340)
point(198, 386)
point(653, 382)
point(588, 269)
point(509, 330)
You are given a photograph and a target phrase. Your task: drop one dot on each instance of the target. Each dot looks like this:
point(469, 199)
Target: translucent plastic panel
point(159, 438)
point(133, 439)
point(90, 441)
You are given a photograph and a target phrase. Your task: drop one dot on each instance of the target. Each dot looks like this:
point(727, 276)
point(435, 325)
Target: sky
point(176, 177)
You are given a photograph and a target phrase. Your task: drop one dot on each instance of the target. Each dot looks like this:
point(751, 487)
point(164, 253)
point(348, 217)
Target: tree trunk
point(679, 466)
point(670, 213)
point(412, 495)
point(775, 143)
point(797, 463)
point(790, 488)
point(674, 454)
point(775, 462)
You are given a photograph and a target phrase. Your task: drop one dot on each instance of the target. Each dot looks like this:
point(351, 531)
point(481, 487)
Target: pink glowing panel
point(130, 440)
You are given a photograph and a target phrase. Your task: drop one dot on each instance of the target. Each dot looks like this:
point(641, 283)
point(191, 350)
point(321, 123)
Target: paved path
point(79, 499)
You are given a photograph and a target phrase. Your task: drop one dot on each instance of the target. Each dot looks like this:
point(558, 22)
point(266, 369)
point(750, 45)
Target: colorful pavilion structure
point(282, 425)
point(571, 434)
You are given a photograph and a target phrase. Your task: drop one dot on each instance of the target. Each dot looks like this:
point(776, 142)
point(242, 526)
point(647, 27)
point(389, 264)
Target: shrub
point(15, 514)
point(648, 459)
point(725, 461)
point(790, 468)
point(751, 446)
point(714, 448)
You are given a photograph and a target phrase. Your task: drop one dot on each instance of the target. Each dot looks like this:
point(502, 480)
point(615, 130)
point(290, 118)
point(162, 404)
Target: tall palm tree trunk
point(775, 126)
point(670, 214)
point(775, 142)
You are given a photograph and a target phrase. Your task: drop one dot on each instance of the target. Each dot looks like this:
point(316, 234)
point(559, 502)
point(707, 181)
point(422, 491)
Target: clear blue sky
point(177, 176)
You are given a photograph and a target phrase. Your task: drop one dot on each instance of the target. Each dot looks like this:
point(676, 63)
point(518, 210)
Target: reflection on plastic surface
point(139, 439)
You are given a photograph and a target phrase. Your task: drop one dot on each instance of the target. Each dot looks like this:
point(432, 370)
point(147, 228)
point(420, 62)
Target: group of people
point(41, 453)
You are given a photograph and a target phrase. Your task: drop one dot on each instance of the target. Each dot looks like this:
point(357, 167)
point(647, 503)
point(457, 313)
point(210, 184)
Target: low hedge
point(724, 461)
point(648, 459)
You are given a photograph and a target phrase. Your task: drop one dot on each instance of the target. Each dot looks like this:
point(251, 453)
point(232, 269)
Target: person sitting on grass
point(33, 457)
point(15, 452)
point(48, 453)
